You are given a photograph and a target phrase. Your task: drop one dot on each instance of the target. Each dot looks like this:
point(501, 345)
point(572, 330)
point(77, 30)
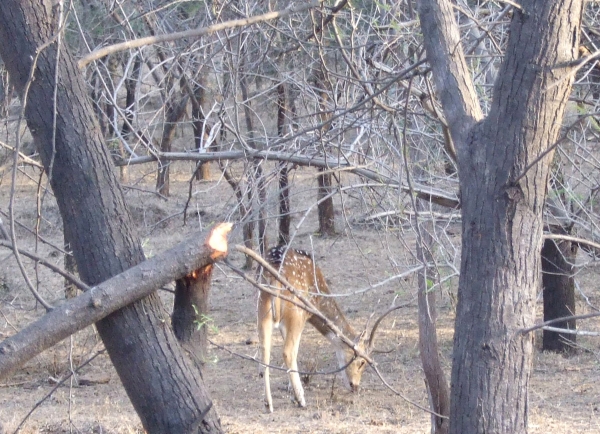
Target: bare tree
point(166, 389)
point(503, 181)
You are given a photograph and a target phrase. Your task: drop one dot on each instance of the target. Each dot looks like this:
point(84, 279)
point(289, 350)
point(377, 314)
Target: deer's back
point(298, 268)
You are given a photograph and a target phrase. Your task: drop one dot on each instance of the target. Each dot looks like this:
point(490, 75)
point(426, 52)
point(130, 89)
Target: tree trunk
point(284, 189)
point(190, 309)
point(174, 113)
point(131, 86)
point(558, 257)
point(200, 127)
point(502, 200)
point(261, 189)
point(325, 206)
point(285, 219)
point(257, 194)
point(166, 389)
point(130, 100)
point(435, 379)
point(5, 92)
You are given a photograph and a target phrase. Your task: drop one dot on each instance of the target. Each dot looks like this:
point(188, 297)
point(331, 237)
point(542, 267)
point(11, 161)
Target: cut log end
point(217, 239)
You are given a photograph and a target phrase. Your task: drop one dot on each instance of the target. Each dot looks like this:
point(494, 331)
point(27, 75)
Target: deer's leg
point(292, 331)
point(265, 332)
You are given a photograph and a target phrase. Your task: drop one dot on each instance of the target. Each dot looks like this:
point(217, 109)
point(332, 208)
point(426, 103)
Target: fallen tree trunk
point(111, 295)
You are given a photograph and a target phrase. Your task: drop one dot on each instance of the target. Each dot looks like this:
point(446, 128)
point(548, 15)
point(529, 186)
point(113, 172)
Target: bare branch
point(426, 193)
point(196, 33)
point(572, 239)
point(73, 279)
point(571, 331)
point(555, 320)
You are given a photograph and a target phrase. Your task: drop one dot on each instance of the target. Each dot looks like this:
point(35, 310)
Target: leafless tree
point(503, 186)
point(99, 227)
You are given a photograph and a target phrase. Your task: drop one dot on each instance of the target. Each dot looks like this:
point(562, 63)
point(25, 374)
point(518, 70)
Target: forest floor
point(564, 396)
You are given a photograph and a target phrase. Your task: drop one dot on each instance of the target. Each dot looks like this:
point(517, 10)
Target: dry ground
point(564, 395)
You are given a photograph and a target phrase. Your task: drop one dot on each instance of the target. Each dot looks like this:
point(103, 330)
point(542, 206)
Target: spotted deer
point(298, 268)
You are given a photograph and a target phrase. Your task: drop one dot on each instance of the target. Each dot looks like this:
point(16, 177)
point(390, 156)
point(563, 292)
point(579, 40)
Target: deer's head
point(357, 364)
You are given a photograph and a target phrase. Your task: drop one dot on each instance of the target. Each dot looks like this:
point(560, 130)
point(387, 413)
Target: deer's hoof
point(268, 405)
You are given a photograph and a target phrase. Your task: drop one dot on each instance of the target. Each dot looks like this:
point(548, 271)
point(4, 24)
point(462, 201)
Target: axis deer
point(302, 273)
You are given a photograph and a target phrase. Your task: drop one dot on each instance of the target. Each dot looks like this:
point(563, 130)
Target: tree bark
point(174, 112)
point(285, 219)
point(558, 257)
point(283, 171)
point(190, 309)
point(166, 389)
point(502, 200)
point(130, 106)
point(200, 127)
point(325, 207)
point(435, 379)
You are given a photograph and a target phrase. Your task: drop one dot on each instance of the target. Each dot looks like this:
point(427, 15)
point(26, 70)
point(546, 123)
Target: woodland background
point(320, 130)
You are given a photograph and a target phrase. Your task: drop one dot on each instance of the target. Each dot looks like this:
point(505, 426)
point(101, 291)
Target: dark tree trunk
point(190, 311)
point(325, 207)
point(248, 234)
point(261, 188)
point(200, 129)
point(203, 172)
point(127, 128)
point(502, 190)
point(284, 189)
point(284, 205)
point(130, 87)
point(558, 257)
point(175, 111)
point(166, 389)
point(257, 193)
point(324, 197)
point(435, 379)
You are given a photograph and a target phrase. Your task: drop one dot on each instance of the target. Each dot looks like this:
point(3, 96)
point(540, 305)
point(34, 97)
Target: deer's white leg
point(293, 332)
point(265, 332)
